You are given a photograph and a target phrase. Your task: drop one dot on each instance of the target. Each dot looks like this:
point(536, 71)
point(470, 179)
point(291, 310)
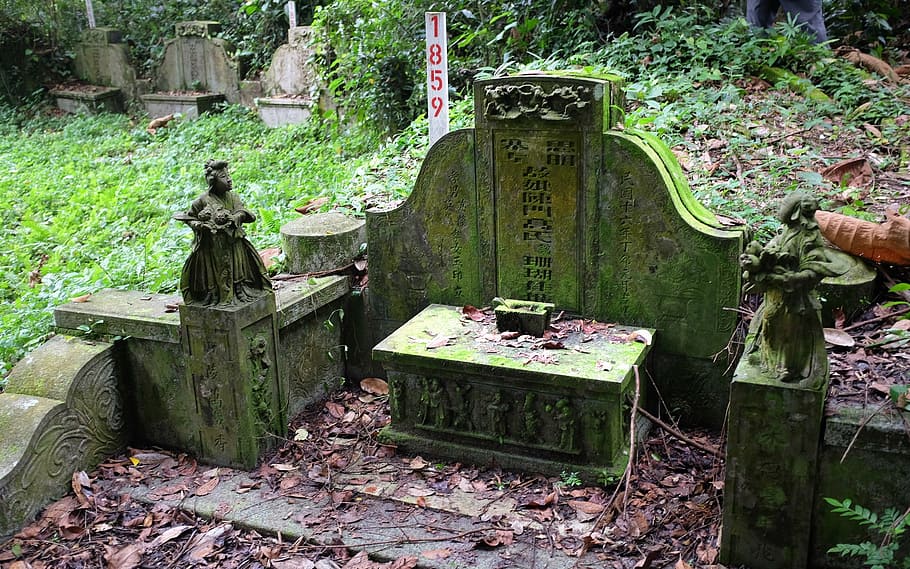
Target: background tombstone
point(291, 84)
point(196, 60)
point(606, 228)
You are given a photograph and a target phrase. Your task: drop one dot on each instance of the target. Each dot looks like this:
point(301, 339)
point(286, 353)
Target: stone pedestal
point(279, 111)
point(190, 106)
point(232, 367)
point(89, 99)
point(458, 392)
point(772, 457)
point(321, 242)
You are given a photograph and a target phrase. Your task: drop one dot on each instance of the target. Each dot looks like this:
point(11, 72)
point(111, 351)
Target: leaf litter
point(673, 508)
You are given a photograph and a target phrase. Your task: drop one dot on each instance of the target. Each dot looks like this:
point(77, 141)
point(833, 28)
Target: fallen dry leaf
point(586, 507)
point(473, 313)
point(436, 553)
point(417, 463)
point(551, 498)
point(680, 564)
point(148, 457)
point(837, 337)
point(439, 341)
point(642, 336)
point(312, 205)
point(268, 256)
point(334, 409)
point(374, 385)
point(496, 538)
point(855, 172)
point(888, 242)
point(206, 488)
point(125, 557)
point(168, 535)
point(293, 563)
point(80, 483)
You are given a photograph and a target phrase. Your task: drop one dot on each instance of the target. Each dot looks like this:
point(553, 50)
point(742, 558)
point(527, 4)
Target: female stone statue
point(223, 266)
point(786, 332)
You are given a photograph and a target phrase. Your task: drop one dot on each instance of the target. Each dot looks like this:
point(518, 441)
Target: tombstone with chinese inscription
point(198, 71)
point(106, 75)
point(291, 82)
point(544, 200)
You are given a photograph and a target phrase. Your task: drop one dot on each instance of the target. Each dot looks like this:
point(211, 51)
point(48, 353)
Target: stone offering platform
point(553, 404)
point(89, 99)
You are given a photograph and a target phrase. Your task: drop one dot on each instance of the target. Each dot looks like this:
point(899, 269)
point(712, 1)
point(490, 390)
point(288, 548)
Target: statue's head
point(798, 210)
point(217, 175)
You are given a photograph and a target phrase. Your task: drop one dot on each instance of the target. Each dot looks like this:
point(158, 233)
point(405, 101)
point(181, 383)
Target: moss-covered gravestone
point(544, 200)
point(103, 58)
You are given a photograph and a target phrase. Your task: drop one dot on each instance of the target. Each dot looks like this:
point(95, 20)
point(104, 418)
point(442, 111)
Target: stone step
point(62, 412)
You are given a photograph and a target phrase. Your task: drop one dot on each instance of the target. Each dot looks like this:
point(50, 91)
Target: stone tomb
point(291, 83)
point(544, 201)
point(480, 400)
point(198, 71)
point(102, 62)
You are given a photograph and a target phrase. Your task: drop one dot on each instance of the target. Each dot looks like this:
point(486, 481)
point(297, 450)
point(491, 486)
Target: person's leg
point(761, 13)
point(808, 13)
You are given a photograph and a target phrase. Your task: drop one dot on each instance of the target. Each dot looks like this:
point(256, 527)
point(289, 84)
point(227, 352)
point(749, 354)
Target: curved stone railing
point(62, 411)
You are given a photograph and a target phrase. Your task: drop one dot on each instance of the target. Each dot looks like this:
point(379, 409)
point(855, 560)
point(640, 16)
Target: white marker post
point(437, 75)
point(292, 14)
point(90, 12)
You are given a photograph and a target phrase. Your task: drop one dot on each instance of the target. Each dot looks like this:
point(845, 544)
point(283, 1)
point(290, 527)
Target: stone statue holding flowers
point(223, 267)
point(786, 336)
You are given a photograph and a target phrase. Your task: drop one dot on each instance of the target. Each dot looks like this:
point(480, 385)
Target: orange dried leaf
point(888, 242)
point(853, 171)
point(374, 385)
point(312, 205)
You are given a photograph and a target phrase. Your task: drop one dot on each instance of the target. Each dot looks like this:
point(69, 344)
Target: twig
point(627, 473)
point(900, 312)
point(675, 432)
point(306, 276)
point(860, 428)
point(398, 541)
point(784, 136)
point(634, 416)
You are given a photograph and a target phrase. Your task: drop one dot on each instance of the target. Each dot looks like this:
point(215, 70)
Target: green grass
point(95, 195)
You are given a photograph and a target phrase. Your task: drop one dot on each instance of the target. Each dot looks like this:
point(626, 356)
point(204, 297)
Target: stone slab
point(879, 449)
point(298, 299)
point(155, 317)
point(455, 393)
point(124, 313)
point(93, 100)
point(272, 513)
point(276, 112)
point(20, 417)
point(42, 440)
point(190, 106)
point(49, 370)
point(850, 292)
